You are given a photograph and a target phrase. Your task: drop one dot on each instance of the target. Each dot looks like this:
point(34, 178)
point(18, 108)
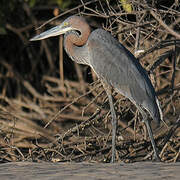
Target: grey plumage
point(117, 66)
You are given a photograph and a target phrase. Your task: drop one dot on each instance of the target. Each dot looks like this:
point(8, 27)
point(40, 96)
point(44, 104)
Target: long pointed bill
point(55, 31)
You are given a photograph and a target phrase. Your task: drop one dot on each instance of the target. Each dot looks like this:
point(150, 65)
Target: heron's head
point(73, 23)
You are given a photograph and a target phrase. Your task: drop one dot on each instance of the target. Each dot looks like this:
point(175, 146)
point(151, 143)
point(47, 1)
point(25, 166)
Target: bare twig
point(164, 25)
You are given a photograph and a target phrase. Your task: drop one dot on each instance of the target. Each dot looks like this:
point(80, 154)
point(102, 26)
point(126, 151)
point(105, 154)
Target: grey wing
point(113, 63)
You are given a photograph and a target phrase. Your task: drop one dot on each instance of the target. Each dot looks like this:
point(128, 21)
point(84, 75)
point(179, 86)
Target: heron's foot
point(156, 158)
point(113, 158)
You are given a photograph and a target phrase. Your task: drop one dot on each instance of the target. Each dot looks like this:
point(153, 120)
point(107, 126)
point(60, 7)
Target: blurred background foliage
point(17, 25)
point(12, 7)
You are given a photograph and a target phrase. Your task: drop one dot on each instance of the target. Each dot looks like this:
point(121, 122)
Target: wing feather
point(113, 63)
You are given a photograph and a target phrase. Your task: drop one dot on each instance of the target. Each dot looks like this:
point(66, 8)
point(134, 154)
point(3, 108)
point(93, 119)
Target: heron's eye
point(78, 32)
point(66, 24)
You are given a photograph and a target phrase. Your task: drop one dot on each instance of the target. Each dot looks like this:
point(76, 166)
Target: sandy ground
point(95, 171)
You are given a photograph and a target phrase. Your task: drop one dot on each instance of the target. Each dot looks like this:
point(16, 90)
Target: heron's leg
point(149, 129)
point(114, 126)
point(156, 156)
point(114, 121)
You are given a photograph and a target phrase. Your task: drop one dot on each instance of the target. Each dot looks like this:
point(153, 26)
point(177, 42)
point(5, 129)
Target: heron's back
point(118, 67)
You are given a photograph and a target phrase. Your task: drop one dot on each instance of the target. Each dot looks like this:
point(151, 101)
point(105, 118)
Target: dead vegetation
point(61, 113)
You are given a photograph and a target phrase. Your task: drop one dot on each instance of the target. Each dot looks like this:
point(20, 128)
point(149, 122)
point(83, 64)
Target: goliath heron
point(114, 65)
